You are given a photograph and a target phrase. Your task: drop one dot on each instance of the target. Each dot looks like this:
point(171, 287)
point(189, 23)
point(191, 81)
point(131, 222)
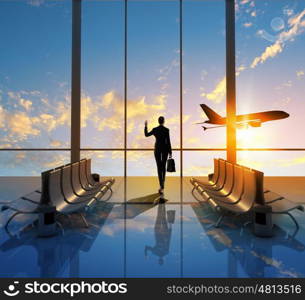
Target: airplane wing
point(252, 123)
point(247, 121)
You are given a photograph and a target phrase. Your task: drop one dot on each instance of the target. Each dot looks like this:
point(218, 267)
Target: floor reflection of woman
point(163, 232)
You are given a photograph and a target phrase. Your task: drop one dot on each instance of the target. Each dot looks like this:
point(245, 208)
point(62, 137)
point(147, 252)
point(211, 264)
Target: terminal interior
point(78, 79)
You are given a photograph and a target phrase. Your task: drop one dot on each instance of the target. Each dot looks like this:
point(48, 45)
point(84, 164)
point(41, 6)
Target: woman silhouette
point(162, 149)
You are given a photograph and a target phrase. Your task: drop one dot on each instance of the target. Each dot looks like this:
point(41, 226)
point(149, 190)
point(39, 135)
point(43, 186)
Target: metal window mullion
point(181, 86)
point(125, 85)
point(230, 81)
point(76, 81)
point(125, 135)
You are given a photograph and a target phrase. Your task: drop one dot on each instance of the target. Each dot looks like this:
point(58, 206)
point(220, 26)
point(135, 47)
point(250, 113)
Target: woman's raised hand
point(145, 123)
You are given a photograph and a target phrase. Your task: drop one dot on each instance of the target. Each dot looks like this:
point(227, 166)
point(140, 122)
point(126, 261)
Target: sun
point(249, 138)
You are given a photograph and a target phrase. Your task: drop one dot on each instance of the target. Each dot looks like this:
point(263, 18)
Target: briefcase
point(171, 165)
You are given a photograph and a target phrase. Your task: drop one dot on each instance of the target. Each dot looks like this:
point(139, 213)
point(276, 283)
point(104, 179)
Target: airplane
point(242, 121)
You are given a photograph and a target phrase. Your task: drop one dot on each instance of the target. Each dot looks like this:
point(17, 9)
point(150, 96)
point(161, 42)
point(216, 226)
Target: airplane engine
point(255, 124)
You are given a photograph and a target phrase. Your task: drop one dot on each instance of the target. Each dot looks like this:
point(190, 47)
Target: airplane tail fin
point(211, 114)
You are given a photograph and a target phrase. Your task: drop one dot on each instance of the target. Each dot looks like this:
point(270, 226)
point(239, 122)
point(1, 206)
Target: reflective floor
point(146, 238)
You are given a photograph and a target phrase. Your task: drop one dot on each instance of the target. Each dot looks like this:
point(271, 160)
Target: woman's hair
point(161, 120)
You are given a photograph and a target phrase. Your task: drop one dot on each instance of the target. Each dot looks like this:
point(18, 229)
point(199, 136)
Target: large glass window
point(35, 71)
point(274, 163)
point(31, 163)
point(35, 76)
point(102, 115)
point(204, 78)
point(270, 57)
point(270, 43)
point(153, 69)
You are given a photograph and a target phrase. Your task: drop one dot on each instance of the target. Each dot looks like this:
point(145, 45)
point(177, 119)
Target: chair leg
point(294, 220)
point(84, 220)
point(247, 223)
point(218, 222)
point(61, 227)
point(276, 199)
point(8, 222)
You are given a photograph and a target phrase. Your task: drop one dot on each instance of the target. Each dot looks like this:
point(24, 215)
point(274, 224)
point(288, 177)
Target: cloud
point(240, 69)
point(27, 104)
point(270, 52)
point(19, 97)
point(288, 11)
point(108, 99)
point(218, 94)
point(53, 161)
point(36, 3)
point(296, 25)
point(137, 110)
point(55, 143)
point(291, 162)
point(21, 120)
point(300, 73)
point(2, 117)
point(166, 71)
point(253, 14)
point(248, 24)
point(88, 110)
point(21, 125)
point(3, 146)
point(195, 170)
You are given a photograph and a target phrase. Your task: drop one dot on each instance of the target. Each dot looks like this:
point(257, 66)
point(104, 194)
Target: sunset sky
point(35, 66)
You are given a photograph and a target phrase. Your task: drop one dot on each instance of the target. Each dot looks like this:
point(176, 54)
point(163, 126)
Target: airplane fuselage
point(259, 117)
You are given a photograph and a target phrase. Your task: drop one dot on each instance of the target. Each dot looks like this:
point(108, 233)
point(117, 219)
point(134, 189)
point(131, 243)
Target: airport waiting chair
point(233, 187)
point(76, 184)
point(90, 180)
point(231, 198)
point(30, 207)
point(243, 205)
point(83, 178)
point(228, 184)
point(57, 190)
point(285, 207)
point(20, 204)
point(235, 196)
point(70, 174)
point(30, 201)
point(59, 199)
point(214, 177)
point(63, 205)
point(242, 190)
point(221, 179)
point(279, 204)
point(66, 188)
